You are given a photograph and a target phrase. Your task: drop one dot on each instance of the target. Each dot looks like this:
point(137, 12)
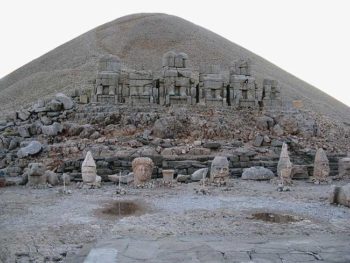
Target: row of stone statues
point(177, 83)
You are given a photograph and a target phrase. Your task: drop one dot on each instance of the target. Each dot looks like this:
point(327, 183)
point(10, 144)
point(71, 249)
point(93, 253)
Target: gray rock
point(13, 144)
point(54, 105)
point(46, 120)
point(299, 172)
point(199, 174)
point(23, 131)
point(264, 123)
point(277, 130)
point(258, 141)
point(23, 115)
point(212, 145)
point(34, 147)
point(257, 173)
point(52, 178)
point(344, 167)
point(183, 178)
point(127, 179)
point(88, 130)
point(52, 130)
point(340, 195)
point(67, 102)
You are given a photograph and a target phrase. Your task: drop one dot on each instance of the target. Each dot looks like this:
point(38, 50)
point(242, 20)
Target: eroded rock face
point(142, 168)
point(344, 167)
point(257, 173)
point(284, 167)
point(36, 174)
point(321, 166)
point(219, 171)
point(340, 195)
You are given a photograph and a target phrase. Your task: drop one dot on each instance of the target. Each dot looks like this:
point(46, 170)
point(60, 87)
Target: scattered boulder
point(36, 174)
point(87, 131)
point(23, 131)
point(168, 127)
point(34, 147)
point(53, 105)
point(66, 101)
point(257, 173)
point(212, 145)
point(277, 130)
point(264, 123)
point(258, 141)
point(52, 178)
point(2, 179)
point(340, 195)
point(321, 166)
point(52, 130)
point(344, 167)
point(183, 178)
point(199, 174)
point(299, 172)
point(23, 115)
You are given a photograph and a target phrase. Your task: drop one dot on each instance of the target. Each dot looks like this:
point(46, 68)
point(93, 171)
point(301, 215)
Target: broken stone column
point(284, 167)
point(344, 167)
point(89, 172)
point(142, 168)
point(340, 195)
point(219, 171)
point(321, 166)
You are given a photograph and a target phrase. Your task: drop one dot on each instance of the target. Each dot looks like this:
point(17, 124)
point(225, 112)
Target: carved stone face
point(219, 169)
point(142, 168)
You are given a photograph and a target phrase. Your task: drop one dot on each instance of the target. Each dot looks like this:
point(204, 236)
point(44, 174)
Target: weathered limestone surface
point(321, 166)
point(284, 167)
point(142, 168)
point(32, 148)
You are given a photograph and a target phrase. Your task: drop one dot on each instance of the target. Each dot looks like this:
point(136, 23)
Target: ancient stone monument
point(321, 166)
point(168, 176)
point(36, 174)
point(107, 81)
point(212, 90)
point(284, 167)
point(219, 171)
point(142, 168)
point(340, 195)
point(141, 87)
point(176, 80)
point(89, 172)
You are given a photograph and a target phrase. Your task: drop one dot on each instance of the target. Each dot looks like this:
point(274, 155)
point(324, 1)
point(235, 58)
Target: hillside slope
point(140, 41)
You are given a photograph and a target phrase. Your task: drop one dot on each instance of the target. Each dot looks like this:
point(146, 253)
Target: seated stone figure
point(219, 171)
point(107, 80)
point(142, 168)
point(176, 79)
point(211, 86)
point(141, 87)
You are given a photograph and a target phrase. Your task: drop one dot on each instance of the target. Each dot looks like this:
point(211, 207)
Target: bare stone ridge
point(139, 41)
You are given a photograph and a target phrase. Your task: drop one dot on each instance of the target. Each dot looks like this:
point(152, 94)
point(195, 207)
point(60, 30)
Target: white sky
point(308, 38)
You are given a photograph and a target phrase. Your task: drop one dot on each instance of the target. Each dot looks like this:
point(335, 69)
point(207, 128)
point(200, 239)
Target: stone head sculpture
point(219, 171)
point(142, 168)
